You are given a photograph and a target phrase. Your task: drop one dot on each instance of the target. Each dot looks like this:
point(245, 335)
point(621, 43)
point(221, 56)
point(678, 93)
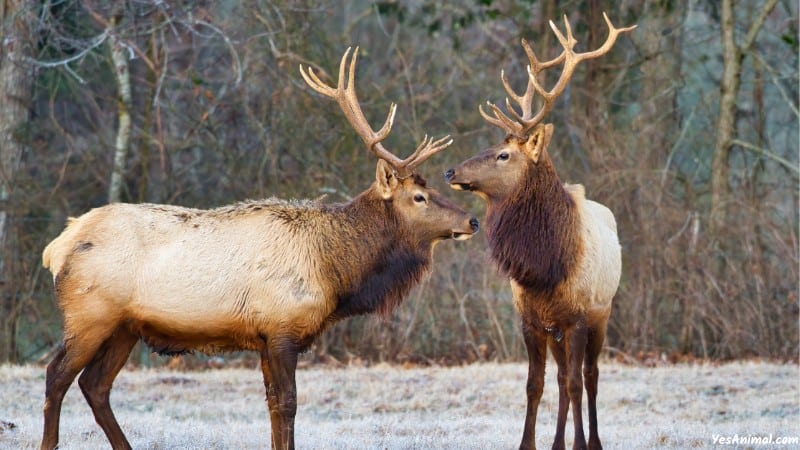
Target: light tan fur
point(175, 272)
point(596, 280)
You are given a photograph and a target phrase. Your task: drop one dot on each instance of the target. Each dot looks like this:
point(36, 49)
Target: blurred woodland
point(687, 130)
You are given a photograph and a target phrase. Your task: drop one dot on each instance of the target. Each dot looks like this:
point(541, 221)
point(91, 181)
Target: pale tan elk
point(267, 276)
point(560, 249)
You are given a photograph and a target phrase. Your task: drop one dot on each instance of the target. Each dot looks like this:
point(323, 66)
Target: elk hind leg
point(97, 378)
point(576, 349)
point(591, 374)
point(59, 378)
point(77, 351)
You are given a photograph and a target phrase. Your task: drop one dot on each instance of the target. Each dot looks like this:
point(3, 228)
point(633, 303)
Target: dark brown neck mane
point(379, 263)
point(533, 233)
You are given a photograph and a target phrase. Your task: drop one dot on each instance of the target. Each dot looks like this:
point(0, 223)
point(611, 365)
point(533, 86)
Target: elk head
point(497, 172)
point(429, 216)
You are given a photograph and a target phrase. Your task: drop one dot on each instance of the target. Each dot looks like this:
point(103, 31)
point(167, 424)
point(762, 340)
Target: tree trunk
point(726, 119)
point(119, 59)
point(732, 56)
point(659, 38)
point(597, 31)
point(15, 92)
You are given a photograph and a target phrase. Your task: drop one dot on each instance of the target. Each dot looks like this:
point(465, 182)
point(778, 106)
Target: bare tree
point(733, 55)
point(15, 95)
point(119, 59)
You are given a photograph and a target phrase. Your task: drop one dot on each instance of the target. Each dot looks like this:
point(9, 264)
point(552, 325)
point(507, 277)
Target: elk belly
point(228, 287)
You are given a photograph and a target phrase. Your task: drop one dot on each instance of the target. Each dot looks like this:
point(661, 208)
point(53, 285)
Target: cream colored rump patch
point(601, 268)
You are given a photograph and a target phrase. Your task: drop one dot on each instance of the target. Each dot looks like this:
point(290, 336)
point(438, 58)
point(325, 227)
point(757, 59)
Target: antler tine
point(538, 66)
point(571, 60)
point(352, 110)
point(355, 109)
point(548, 100)
point(533, 70)
point(520, 99)
point(500, 120)
point(345, 95)
point(315, 83)
point(526, 120)
point(613, 34)
point(427, 148)
point(494, 121)
point(513, 112)
point(426, 141)
point(524, 101)
point(567, 42)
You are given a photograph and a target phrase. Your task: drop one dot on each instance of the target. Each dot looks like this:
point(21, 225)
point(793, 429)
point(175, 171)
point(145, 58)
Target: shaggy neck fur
point(533, 233)
point(379, 262)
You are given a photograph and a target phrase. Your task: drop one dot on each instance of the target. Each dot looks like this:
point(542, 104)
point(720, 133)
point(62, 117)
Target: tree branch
point(778, 159)
point(755, 27)
point(234, 53)
point(94, 43)
point(131, 48)
point(785, 95)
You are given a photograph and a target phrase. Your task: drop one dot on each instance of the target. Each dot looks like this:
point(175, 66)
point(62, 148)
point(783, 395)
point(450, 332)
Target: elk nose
point(449, 174)
point(474, 224)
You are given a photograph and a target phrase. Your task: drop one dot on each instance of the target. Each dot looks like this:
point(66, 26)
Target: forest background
point(687, 130)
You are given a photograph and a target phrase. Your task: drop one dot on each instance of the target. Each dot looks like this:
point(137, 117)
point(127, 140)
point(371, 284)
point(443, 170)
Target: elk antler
point(345, 95)
point(525, 120)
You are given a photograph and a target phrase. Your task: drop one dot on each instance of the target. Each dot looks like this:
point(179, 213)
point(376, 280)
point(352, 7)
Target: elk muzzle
point(466, 233)
point(455, 182)
point(474, 225)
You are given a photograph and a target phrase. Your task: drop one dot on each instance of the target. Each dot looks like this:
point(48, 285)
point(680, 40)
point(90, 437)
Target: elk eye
point(502, 156)
point(419, 198)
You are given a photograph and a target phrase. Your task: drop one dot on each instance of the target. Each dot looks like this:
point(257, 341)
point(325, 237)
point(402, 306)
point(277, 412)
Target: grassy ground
point(480, 406)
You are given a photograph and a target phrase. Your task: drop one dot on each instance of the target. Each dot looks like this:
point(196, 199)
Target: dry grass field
point(479, 406)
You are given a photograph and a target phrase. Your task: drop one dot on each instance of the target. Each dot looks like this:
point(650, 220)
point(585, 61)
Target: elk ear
point(538, 141)
point(386, 179)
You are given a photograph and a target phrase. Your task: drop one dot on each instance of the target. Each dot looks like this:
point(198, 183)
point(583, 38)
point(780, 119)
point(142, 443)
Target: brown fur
point(380, 263)
point(534, 234)
point(266, 275)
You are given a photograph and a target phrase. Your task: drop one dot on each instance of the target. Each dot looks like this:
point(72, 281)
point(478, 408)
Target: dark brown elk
point(560, 249)
point(267, 276)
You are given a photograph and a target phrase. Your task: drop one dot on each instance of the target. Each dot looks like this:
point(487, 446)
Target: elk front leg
point(536, 344)
point(272, 402)
point(559, 354)
point(282, 392)
point(576, 339)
